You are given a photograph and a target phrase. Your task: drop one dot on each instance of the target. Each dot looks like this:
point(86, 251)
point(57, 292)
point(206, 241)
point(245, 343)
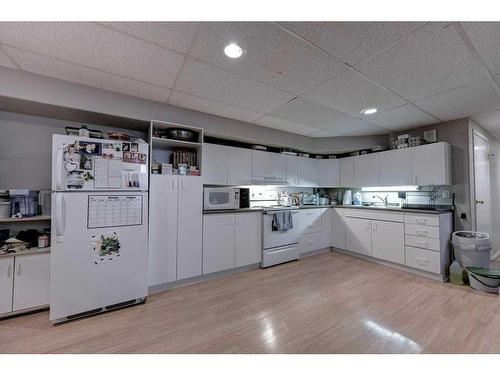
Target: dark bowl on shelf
point(181, 134)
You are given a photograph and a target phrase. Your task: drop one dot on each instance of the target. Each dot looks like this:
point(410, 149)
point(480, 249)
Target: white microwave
point(223, 198)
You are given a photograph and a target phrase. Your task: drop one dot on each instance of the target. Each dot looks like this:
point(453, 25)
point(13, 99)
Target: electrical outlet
point(446, 194)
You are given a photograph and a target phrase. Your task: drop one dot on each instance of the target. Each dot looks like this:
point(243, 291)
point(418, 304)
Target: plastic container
point(358, 200)
point(471, 249)
point(456, 273)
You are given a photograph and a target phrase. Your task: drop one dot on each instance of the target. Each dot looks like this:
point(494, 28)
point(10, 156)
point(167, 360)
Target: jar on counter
point(43, 241)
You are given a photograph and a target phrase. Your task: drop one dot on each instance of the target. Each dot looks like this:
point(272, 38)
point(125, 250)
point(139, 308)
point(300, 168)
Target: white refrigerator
point(99, 244)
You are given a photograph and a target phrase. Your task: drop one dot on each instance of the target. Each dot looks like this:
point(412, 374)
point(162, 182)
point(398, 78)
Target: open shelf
point(25, 219)
point(167, 143)
point(33, 250)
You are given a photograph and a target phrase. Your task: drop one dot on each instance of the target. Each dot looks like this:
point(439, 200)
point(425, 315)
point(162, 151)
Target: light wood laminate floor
point(328, 303)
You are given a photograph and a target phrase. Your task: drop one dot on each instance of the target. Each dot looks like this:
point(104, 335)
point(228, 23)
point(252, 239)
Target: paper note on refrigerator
point(108, 173)
point(114, 211)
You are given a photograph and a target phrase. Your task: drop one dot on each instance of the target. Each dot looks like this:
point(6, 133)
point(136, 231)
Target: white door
point(248, 239)
point(359, 235)
point(78, 274)
point(304, 172)
point(482, 183)
point(431, 164)
point(367, 170)
point(388, 241)
point(163, 229)
point(31, 281)
point(277, 163)
point(218, 242)
point(338, 227)
point(214, 164)
point(346, 173)
point(292, 170)
point(190, 227)
point(328, 172)
point(260, 164)
point(239, 166)
point(395, 167)
point(6, 280)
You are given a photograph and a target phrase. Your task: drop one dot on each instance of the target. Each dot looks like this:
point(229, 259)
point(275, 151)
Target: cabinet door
point(31, 281)
point(304, 175)
point(395, 167)
point(214, 164)
point(326, 227)
point(277, 165)
point(388, 241)
point(310, 220)
point(6, 280)
point(162, 266)
point(359, 235)
point(218, 242)
point(248, 239)
point(260, 163)
point(338, 228)
point(328, 172)
point(313, 168)
point(346, 172)
point(431, 164)
point(239, 166)
point(367, 170)
point(189, 233)
point(292, 170)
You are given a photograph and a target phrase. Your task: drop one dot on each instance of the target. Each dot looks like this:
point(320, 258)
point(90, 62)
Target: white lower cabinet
point(31, 281)
point(425, 260)
point(338, 227)
point(359, 235)
point(388, 242)
point(6, 284)
point(231, 240)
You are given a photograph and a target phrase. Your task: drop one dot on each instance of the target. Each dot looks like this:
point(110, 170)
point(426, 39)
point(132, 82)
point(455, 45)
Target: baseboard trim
point(198, 279)
point(400, 267)
point(315, 252)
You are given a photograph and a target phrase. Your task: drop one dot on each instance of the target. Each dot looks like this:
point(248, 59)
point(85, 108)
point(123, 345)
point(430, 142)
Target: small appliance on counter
point(347, 198)
point(358, 200)
point(310, 199)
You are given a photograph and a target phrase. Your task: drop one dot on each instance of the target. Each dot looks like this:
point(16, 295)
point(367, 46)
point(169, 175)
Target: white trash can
point(472, 249)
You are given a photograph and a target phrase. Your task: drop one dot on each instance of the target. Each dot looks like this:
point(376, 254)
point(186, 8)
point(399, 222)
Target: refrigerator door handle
point(59, 167)
point(60, 215)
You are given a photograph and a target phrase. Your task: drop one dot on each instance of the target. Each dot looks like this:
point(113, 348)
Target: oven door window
point(217, 198)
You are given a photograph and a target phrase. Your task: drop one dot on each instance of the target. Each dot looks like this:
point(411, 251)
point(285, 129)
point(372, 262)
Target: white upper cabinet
point(214, 164)
point(268, 166)
point(431, 164)
point(239, 166)
point(328, 172)
point(367, 170)
point(346, 172)
point(395, 168)
point(308, 172)
point(292, 170)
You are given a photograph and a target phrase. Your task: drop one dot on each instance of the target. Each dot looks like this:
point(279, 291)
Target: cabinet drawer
point(310, 220)
point(422, 231)
point(374, 215)
point(422, 259)
point(432, 220)
point(422, 242)
point(310, 242)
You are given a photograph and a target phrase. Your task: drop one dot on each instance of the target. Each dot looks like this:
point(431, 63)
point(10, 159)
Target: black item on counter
point(29, 236)
point(4, 235)
point(244, 197)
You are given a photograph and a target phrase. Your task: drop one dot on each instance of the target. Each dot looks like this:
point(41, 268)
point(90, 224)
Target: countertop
point(440, 210)
point(33, 250)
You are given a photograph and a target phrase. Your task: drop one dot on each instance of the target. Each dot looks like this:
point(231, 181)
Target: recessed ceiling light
point(369, 111)
point(233, 51)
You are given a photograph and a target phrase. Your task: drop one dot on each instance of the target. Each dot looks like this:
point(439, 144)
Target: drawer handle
point(421, 232)
point(9, 271)
point(422, 261)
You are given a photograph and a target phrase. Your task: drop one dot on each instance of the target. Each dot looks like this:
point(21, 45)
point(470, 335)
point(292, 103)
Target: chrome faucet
point(382, 199)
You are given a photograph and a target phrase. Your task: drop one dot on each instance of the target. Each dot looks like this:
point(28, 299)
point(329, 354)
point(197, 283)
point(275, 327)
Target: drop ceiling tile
point(350, 93)
point(209, 106)
point(431, 60)
point(489, 120)
point(95, 46)
point(174, 35)
point(353, 42)
point(280, 124)
point(323, 134)
point(6, 61)
point(204, 80)
point(270, 54)
point(485, 36)
point(403, 117)
point(312, 114)
point(465, 101)
point(70, 72)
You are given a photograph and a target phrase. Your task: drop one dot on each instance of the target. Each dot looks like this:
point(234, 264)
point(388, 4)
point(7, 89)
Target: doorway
point(482, 198)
